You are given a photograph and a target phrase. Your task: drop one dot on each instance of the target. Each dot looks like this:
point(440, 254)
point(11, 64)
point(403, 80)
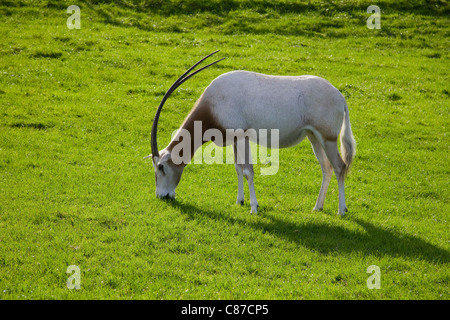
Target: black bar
point(221, 309)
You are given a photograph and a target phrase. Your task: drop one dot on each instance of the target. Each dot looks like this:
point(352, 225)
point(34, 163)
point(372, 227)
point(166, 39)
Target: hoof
point(241, 202)
point(254, 209)
point(342, 212)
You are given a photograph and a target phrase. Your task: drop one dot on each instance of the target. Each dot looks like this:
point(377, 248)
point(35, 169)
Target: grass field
point(76, 109)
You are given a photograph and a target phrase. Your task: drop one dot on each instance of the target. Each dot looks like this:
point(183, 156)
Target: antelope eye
point(161, 168)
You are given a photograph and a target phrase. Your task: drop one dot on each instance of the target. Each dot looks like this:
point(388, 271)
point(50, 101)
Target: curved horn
point(180, 80)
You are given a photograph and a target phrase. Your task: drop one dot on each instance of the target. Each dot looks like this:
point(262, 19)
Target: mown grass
point(75, 119)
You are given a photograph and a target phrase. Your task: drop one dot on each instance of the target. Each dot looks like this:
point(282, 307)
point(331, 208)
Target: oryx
point(297, 106)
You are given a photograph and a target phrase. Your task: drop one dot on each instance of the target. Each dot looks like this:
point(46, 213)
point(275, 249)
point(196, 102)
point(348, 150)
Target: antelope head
point(167, 173)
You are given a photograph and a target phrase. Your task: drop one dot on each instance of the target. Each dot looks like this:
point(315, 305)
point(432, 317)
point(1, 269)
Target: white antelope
point(297, 106)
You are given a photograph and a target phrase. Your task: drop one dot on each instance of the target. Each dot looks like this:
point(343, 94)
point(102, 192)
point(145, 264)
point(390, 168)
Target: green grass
point(75, 119)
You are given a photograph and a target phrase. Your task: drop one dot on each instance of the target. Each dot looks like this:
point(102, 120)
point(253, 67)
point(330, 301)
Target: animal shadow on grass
point(325, 238)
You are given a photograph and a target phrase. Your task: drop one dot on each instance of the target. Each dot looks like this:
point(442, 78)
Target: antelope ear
point(149, 156)
point(166, 157)
point(155, 160)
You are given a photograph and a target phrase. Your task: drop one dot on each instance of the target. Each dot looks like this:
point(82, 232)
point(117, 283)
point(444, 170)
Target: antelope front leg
point(240, 174)
point(243, 160)
point(248, 174)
